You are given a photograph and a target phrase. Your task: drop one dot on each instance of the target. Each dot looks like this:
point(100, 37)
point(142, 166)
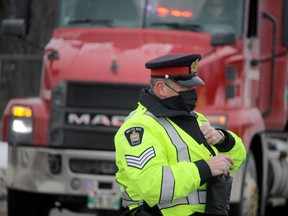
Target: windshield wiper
point(177, 25)
point(106, 22)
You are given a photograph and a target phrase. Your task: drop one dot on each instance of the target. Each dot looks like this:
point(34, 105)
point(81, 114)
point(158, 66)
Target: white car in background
point(3, 155)
point(3, 167)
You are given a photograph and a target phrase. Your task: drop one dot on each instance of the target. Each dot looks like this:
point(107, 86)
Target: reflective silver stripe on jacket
point(127, 201)
point(130, 115)
point(182, 148)
point(196, 197)
point(168, 181)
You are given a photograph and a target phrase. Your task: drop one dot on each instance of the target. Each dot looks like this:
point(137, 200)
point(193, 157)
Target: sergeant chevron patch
point(142, 160)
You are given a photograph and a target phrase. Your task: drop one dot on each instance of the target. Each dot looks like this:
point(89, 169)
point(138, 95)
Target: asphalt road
point(56, 212)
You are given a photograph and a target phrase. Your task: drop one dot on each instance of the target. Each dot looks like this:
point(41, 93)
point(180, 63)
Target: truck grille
point(87, 115)
point(98, 167)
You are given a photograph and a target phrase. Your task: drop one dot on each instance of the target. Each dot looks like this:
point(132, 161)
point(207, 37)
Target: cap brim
point(195, 81)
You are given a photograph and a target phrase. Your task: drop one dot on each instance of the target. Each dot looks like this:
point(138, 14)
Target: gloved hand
point(218, 195)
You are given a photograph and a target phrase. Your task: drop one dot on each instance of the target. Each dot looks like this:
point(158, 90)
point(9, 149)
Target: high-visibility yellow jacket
point(160, 163)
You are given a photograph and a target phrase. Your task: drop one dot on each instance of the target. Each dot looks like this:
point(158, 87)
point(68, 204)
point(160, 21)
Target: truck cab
point(60, 144)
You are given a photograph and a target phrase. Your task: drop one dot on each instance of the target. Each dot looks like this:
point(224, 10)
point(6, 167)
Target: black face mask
point(185, 100)
point(189, 98)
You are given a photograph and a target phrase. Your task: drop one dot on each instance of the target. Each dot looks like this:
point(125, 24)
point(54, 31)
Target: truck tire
point(250, 191)
point(24, 203)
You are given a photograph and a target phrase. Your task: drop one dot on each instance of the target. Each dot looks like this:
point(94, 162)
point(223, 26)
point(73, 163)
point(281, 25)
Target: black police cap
point(182, 68)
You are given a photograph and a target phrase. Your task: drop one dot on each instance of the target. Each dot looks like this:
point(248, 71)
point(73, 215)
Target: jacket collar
point(154, 105)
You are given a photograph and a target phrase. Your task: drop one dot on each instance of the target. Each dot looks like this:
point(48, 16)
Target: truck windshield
point(188, 15)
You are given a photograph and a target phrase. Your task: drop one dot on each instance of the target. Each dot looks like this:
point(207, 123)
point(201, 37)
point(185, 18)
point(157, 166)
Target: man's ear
point(160, 89)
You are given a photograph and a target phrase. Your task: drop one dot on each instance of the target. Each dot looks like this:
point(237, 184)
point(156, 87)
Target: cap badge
point(194, 66)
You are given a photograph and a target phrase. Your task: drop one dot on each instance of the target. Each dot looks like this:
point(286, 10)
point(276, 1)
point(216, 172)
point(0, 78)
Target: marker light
point(21, 111)
point(218, 121)
point(162, 11)
point(187, 14)
point(175, 13)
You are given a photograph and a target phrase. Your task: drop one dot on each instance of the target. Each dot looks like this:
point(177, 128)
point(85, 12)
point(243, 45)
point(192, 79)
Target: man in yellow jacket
point(167, 154)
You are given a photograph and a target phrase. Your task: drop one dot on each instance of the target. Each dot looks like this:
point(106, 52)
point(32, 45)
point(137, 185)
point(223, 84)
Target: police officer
point(167, 153)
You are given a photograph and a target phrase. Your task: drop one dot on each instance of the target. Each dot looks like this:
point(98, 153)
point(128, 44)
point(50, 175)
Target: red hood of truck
point(114, 55)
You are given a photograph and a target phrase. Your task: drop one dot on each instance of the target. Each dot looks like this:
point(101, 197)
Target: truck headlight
point(20, 125)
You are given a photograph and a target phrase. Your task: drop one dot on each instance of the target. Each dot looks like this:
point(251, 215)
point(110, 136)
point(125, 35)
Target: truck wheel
point(250, 190)
point(23, 203)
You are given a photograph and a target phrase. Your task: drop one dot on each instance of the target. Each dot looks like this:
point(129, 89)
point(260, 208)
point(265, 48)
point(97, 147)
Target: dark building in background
point(42, 18)
point(20, 60)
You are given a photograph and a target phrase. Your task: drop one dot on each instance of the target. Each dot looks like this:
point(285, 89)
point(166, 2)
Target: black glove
point(143, 210)
point(218, 195)
point(150, 211)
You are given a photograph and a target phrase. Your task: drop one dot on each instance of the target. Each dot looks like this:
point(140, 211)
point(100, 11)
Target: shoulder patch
point(134, 135)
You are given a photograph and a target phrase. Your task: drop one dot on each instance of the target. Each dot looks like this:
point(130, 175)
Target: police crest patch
point(134, 135)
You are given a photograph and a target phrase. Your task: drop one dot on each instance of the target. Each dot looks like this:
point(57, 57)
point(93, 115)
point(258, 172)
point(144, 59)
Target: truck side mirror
point(222, 38)
point(16, 27)
point(284, 35)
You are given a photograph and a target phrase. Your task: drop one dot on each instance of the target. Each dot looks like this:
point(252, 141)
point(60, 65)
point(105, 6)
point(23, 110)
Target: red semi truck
point(61, 150)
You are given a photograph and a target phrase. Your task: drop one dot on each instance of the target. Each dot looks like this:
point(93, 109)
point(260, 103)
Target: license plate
point(110, 201)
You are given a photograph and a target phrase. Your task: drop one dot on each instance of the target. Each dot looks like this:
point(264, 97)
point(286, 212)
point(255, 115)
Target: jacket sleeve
point(147, 171)
point(232, 145)
point(237, 153)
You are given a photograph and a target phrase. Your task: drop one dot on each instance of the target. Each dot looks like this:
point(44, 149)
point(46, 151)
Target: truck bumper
point(30, 169)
